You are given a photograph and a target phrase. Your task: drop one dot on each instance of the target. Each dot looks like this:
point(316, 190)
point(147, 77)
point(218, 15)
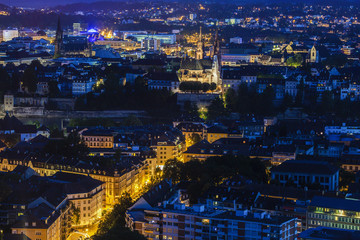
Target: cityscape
point(180, 120)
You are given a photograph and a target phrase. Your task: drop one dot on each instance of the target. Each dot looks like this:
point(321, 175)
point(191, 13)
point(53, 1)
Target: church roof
point(195, 64)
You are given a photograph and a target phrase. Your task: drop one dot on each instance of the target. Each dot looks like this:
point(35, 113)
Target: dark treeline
point(112, 226)
point(246, 100)
point(201, 175)
point(194, 86)
point(113, 94)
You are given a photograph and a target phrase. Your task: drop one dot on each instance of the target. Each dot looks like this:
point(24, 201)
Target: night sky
point(41, 3)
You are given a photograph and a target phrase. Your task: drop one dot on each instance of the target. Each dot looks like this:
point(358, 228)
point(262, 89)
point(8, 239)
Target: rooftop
point(307, 167)
point(336, 203)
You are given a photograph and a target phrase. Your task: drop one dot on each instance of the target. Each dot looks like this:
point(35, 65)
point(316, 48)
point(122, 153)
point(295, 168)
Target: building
point(237, 40)
point(163, 38)
point(333, 212)
point(128, 176)
point(82, 86)
point(86, 194)
point(304, 173)
point(224, 146)
point(215, 132)
point(325, 233)
point(32, 228)
point(291, 87)
point(196, 222)
point(200, 69)
point(150, 44)
point(79, 27)
point(282, 153)
point(234, 78)
point(9, 34)
point(163, 81)
point(98, 138)
point(44, 207)
point(342, 130)
point(166, 146)
point(189, 129)
point(192, 16)
point(318, 54)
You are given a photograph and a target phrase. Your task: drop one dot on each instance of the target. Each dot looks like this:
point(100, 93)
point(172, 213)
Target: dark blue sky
point(40, 3)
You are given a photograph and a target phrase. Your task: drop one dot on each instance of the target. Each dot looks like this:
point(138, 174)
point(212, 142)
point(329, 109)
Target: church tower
point(215, 49)
point(200, 47)
point(58, 39)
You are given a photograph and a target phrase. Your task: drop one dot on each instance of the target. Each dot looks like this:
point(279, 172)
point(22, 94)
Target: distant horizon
point(46, 3)
point(54, 3)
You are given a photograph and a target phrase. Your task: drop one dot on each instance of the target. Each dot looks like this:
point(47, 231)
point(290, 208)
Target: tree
point(201, 175)
point(56, 133)
point(287, 102)
point(194, 138)
point(230, 99)
point(295, 61)
point(205, 87)
point(337, 60)
point(266, 106)
point(172, 170)
point(29, 80)
point(75, 215)
point(54, 90)
point(10, 140)
point(131, 120)
point(191, 108)
point(113, 224)
point(300, 94)
point(5, 82)
point(327, 102)
point(243, 99)
point(216, 109)
point(345, 179)
point(71, 146)
point(30, 77)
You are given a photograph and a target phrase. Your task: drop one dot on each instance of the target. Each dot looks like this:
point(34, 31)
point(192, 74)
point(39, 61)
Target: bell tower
point(200, 47)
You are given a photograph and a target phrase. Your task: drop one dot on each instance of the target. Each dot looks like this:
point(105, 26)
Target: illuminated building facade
point(9, 34)
point(333, 212)
point(166, 147)
point(98, 139)
point(179, 222)
point(90, 203)
point(130, 178)
point(163, 38)
point(150, 44)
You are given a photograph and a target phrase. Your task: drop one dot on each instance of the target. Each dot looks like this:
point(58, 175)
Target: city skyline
point(180, 120)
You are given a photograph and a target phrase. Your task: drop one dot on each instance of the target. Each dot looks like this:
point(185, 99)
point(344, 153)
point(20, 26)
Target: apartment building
point(178, 222)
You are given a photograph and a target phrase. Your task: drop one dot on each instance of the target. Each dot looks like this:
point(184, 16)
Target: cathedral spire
point(200, 47)
point(58, 39)
point(200, 35)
